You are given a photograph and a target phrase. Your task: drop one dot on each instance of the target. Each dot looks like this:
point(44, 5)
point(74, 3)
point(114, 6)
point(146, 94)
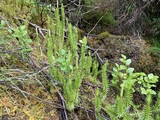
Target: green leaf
point(71, 67)
point(143, 91)
point(122, 67)
point(123, 75)
point(122, 60)
point(10, 31)
point(150, 76)
point(28, 40)
point(63, 69)
point(63, 52)
point(16, 35)
point(22, 27)
point(151, 92)
point(115, 69)
point(139, 82)
point(130, 70)
point(123, 56)
point(153, 85)
point(61, 60)
point(116, 65)
point(114, 75)
point(128, 62)
point(3, 23)
point(81, 41)
point(24, 33)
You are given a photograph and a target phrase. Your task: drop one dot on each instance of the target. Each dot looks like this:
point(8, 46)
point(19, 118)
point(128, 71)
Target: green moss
point(108, 19)
point(104, 35)
point(88, 2)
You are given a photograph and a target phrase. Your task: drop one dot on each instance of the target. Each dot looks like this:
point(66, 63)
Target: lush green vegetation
point(48, 71)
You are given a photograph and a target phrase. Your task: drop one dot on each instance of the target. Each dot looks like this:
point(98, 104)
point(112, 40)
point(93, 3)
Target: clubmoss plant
point(124, 79)
point(21, 35)
point(148, 82)
point(67, 66)
point(156, 108)
point(100, 96)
